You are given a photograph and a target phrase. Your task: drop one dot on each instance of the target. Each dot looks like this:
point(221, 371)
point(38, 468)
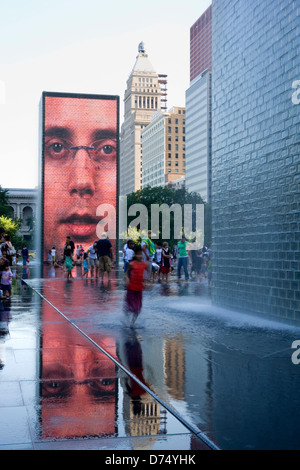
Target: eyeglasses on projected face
point(63, 153)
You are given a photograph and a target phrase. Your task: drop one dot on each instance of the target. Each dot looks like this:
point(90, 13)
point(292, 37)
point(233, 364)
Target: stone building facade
point(23, 205)
point(142, 99)
point(163, 148)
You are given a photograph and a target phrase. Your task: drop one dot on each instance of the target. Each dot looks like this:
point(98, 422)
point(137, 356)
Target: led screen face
point(80, 153)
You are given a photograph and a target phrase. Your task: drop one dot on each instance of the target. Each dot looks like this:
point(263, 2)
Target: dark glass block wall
point(256, 152)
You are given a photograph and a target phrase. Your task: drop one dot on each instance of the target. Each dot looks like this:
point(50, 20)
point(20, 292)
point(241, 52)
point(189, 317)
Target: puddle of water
point(229, 374)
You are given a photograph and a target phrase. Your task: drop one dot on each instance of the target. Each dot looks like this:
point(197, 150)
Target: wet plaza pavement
point(190, 376)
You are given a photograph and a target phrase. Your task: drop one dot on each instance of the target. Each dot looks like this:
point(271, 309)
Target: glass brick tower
point(256, 149)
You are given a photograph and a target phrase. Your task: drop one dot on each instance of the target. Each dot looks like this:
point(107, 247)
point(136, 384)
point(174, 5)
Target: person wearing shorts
point(53, 255)
point(105, 256)
point(93, 259)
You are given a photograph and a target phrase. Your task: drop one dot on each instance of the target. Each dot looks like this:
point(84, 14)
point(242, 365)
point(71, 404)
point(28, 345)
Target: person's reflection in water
point(165, 290)
point(26, 291)
point(51, 271)
point(25, 272)
point(134, 358)
point(4, 321)
point(105, 287)
point(183, 288)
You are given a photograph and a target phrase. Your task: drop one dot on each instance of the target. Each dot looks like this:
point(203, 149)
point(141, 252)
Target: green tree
point(4, 203)
point(11, 227)
point(164, 195)
point(8, 225)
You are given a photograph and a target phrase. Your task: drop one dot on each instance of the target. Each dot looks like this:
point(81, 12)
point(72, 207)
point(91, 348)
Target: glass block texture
point(256, 148)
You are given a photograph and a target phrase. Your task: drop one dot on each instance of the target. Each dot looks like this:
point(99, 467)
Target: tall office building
point(144, 95)
point(256, 148)
point(198, 136)
point(198, 109)
point(163, 148)
point(200, 44)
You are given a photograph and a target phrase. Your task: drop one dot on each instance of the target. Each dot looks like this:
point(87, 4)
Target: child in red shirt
point(135, 284)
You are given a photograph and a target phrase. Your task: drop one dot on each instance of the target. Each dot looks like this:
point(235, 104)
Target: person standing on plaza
point(70, 243)
point(85, 265)
point(174, 255)
point(129, 254)
point(105, 256)
point(183, 258)
point(158, 258)
point(166, 262)
point(53, 255)
point(25, 255)
point(148, 251)
point(135, 284)
point(68, 260)
point(125, 246)
point(81, 253)
point(93, 259)
point(6, 278)
point(10, 251)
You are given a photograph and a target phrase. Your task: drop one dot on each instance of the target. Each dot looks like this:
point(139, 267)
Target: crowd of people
point(148, 261)
point(196, 263)
point(96, 260)
point(183, 258)
point(155, 261)
point(9, 258)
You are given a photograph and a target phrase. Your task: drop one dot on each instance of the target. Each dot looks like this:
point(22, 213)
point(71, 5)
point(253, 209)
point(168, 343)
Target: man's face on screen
point(80, 167)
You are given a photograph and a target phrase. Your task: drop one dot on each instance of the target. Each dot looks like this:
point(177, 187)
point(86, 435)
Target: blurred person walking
point(135, 285)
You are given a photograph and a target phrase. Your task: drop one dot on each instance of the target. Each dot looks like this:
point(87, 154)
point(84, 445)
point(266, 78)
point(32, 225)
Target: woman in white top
point(93, 259)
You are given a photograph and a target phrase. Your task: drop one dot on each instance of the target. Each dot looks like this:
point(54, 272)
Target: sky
point(77, 46)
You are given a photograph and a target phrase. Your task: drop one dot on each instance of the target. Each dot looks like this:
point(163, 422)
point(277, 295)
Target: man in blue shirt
point(25, 255)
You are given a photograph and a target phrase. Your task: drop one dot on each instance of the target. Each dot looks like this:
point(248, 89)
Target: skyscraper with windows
point(200, 44)
point(143, 97)
point(198, 136)
point(198, 109)
point(163, 147)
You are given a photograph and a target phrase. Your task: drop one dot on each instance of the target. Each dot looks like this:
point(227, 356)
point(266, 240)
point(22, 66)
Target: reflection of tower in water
point(145, 417)
point(174, 366)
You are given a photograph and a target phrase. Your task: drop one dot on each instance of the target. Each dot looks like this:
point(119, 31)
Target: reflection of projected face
point(84, 369)
point(80, 167)
point(78, 381)
point(78, 396)
point(78, 387)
